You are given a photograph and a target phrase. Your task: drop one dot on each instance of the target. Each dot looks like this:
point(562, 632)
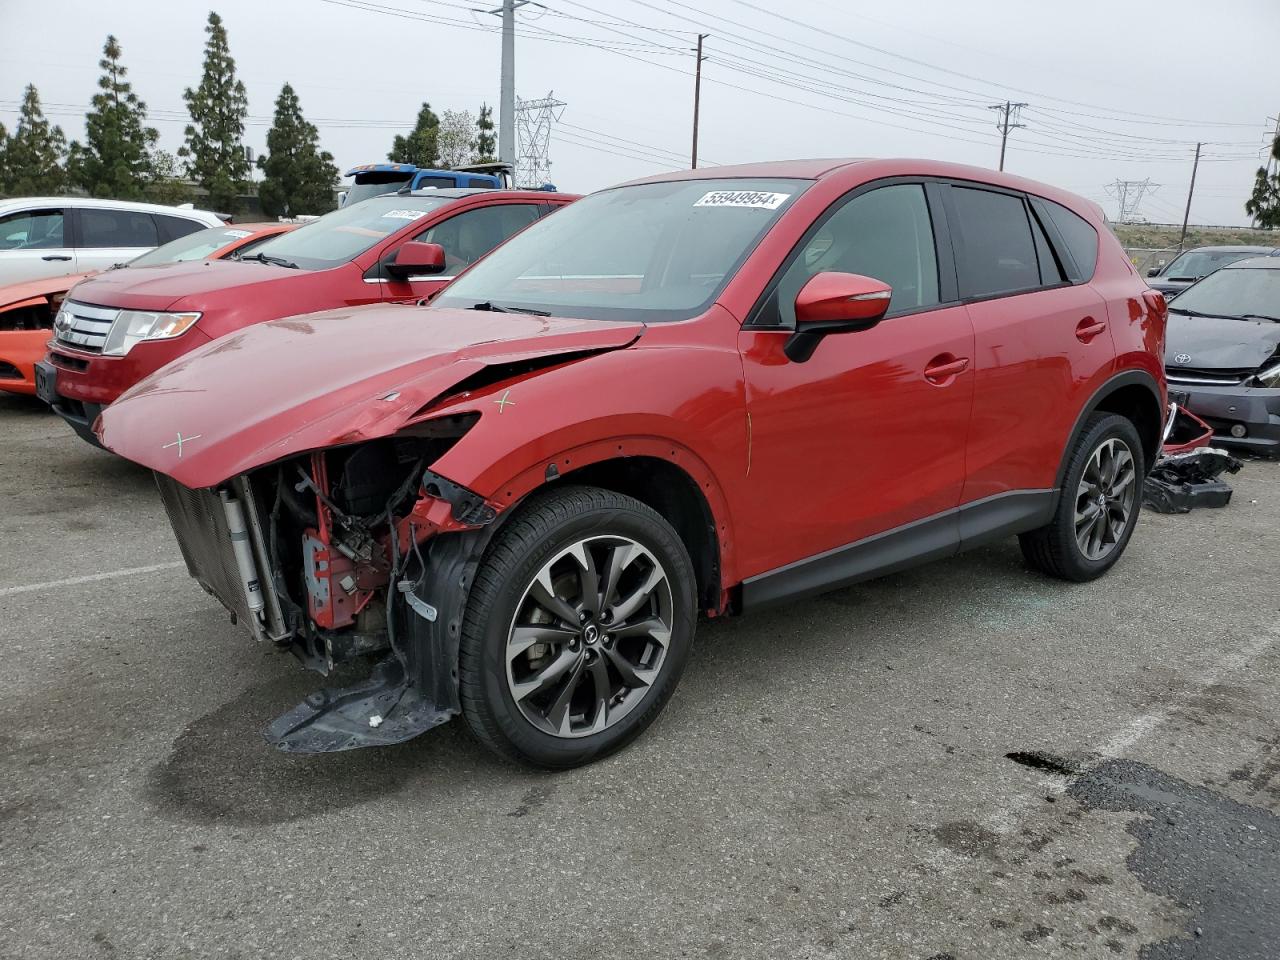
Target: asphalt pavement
point(964, 761)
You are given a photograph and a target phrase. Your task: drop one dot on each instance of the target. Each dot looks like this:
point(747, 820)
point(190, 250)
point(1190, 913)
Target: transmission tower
point(1128, 195)
point(534, 119)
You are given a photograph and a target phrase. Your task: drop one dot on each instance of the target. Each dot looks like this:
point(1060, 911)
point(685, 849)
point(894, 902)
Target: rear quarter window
point(171, 228)
point(1080, 238)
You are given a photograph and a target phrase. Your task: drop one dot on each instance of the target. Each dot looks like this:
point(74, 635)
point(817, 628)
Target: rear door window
point(997, 253)
point(442, 183)
point(116, 228)
point(1050, 270)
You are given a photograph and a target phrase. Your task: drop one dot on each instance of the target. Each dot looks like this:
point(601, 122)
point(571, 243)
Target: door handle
point(56, 256)
point(1088, 328)
point(942, 369)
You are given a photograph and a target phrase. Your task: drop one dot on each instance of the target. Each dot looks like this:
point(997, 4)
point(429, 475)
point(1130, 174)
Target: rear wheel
point(1098, 507)
point(577, 628)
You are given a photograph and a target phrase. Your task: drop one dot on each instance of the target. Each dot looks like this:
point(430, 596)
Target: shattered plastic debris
point(1181, 481)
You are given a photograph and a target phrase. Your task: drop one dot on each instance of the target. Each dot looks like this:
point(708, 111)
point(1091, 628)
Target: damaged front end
point(346, 553)
point(1187, 474)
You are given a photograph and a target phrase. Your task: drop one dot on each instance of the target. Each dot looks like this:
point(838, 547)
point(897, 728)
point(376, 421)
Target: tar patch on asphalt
point(1048, 762)
point(1217, 857)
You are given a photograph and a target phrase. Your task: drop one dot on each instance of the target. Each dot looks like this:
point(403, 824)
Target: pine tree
point(115, 160)
point(298, 176)
point(486, 144)
point(1264, 205)
point(4, 160)
point(35, 151)
point(213, 152)
point(422, 146)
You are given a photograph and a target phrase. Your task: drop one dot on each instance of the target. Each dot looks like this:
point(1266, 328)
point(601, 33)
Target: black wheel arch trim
point(1123, 379)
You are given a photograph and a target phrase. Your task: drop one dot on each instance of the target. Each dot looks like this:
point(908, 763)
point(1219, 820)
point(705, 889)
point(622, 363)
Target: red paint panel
point(855, 440)
point(1033, 374)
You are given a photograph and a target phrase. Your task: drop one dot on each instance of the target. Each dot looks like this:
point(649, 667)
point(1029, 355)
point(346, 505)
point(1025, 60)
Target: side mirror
point(1153, 272)
point(416, 259)
point(835, 303)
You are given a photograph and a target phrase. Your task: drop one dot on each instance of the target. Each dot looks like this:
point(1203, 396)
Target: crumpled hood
point(1219, 343)
point(165, 286)
point(288, 386)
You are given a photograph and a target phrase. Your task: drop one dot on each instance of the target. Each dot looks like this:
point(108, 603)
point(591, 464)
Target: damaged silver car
point(1223, 352)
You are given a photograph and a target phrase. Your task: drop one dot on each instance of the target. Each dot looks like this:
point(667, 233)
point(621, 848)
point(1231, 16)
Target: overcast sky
point(1114, 90)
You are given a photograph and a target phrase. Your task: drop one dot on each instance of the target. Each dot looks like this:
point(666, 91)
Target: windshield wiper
point(494, 308)
point(1259, 316)
point(1174, 308)
point(267, 258)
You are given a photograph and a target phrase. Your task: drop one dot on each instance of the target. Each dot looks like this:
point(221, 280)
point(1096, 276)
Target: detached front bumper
point(1255, 410)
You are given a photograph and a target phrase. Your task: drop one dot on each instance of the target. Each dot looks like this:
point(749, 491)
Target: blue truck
point(377, 179)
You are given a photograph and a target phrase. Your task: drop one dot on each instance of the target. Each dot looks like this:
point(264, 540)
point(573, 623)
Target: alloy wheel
point(1105, 498)
point(589, 636)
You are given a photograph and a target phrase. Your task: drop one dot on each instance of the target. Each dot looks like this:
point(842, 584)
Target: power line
point(965, 76)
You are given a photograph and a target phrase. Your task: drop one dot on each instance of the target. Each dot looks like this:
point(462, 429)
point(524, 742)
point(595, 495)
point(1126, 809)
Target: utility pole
point(1009, 114)
point(697, 96)
point(1271, 157)
point(1187, 215)
point(507, 96)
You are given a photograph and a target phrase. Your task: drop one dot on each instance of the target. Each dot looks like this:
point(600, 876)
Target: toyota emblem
point(1182, 358)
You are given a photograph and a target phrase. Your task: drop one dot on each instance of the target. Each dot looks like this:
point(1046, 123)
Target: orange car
point(27, 309)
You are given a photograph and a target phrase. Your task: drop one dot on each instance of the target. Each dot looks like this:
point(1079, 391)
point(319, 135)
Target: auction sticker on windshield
point(743, 198)
point(405, 214)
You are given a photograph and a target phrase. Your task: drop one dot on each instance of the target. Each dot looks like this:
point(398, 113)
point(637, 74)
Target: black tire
point(546, 525)
point(1053, 549)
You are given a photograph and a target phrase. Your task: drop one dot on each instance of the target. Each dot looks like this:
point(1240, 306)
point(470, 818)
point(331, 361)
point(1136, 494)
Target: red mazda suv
point(704, 392)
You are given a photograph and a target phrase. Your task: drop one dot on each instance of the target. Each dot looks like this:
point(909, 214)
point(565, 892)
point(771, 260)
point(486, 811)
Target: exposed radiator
point(199, 521)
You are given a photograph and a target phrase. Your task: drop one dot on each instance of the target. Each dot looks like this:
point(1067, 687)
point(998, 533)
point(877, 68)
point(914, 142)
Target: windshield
point(338, 237)
point(1242, 292)
point(650, 252)
point(1195, 264)
point(194, 246)
point(363, 191)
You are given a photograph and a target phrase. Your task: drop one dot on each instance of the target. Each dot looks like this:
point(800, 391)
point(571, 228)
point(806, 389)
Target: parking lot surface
point(831, 779)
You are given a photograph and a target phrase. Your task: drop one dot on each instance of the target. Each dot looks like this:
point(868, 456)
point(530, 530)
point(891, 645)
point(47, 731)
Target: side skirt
point(933, 538)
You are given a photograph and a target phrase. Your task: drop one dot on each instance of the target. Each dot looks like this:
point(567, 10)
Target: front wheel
point(577, 628)
point(1098, 507)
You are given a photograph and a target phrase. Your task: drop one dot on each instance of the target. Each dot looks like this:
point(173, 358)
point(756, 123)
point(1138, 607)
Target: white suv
point(51, 236)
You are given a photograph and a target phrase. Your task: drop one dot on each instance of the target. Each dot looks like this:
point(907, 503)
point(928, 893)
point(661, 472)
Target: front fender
point(681, 404)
